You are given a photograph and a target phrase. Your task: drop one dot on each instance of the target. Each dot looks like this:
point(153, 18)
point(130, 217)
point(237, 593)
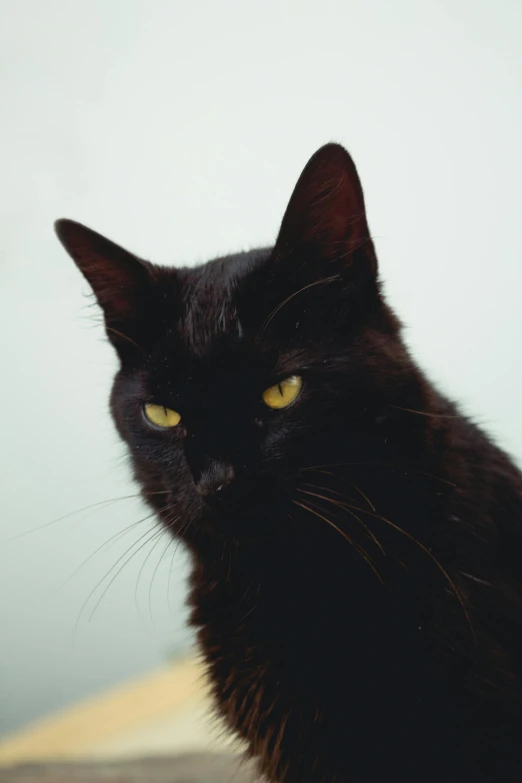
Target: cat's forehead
point(209, 302)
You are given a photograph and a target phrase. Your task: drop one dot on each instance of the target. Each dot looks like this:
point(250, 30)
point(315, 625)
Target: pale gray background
point(178, 129)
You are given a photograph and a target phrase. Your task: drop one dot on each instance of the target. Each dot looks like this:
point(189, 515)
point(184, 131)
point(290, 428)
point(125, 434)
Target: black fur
point(356, 583)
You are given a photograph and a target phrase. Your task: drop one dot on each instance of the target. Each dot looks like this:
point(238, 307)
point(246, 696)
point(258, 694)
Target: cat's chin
point(259, 510)
point(263, 520)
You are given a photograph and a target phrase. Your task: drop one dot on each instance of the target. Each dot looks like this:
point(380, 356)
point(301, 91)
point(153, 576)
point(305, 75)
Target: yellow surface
point(161, 416)
point(122, 712)
point(283, 393)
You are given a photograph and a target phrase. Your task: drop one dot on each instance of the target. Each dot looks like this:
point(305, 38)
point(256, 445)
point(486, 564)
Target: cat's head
point(239, 375)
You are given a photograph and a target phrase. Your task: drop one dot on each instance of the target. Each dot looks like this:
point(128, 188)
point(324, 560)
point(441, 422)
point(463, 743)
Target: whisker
point(71, 514)
point(476, 579)
point(431, 556)
point(426, 413)
point(229, 564)
point(327, 489)
point(184, 528)
point(349, 511)
point(380, 465)
point(169, 579)
point(254, 605)
point(357, 489)
point(164, 552)
point(279, 306)
point(362, 551)
point(356, 546)
point(104, 593)
point(126, 337)
point(93, 591)
point(415, 541)
point(157, 539)
point(98, 549)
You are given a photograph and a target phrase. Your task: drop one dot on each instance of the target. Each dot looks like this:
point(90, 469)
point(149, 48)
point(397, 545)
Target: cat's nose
point(215, 481)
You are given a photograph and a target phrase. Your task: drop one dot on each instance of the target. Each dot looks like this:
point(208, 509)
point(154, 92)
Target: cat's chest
point(282, 671)
point(304, 626)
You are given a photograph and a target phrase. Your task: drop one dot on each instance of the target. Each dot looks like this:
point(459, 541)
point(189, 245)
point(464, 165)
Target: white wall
point(179, 129)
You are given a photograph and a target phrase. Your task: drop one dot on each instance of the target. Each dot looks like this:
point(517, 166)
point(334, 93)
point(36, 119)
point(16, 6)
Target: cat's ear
point(121, 282)
point(326, 218)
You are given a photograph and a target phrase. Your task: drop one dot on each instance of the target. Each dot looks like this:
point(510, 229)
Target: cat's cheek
point(180, 432)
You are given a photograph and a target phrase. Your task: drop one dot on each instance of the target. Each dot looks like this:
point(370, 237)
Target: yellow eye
point(283, 393)
point(161, 416)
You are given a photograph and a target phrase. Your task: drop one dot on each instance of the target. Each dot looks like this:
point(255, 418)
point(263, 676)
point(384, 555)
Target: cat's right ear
point(325, 225)
point(120, 281)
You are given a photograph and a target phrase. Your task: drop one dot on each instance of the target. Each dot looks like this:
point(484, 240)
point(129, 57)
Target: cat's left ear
point(121, 282)
point(325, 220)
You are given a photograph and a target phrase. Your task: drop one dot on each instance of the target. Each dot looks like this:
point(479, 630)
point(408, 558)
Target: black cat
point(356, 541)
